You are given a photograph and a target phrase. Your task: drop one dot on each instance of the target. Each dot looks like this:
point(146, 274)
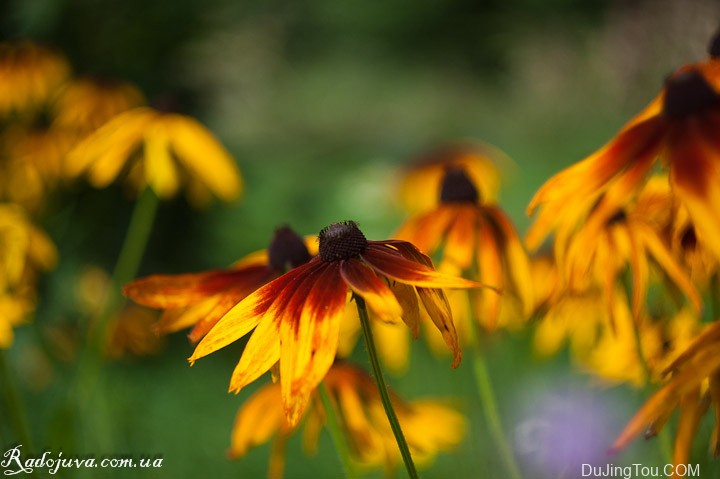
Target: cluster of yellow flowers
point(633, 263)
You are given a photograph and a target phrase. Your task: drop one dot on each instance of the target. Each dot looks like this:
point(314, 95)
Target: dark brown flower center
point(618, 217)
point(714, 46)
point(688, 240)
point(457, 187)
point(287, 250)
point(341, 241)
point(688, 93)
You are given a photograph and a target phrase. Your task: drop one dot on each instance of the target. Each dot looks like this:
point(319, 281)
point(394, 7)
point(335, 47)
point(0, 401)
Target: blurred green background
point(320, 102)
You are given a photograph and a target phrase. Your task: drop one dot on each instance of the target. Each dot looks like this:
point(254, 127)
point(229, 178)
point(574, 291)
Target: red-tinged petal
point(241, 319)
point(175, 319)
point(173, 291)
point(223, 303)
point(408, 250)
point(667, 397)
point(586, 178)
point(695, 177)
point(376, 293)
point(392, 264)
point(438, 309)
point(460, 239)
point(491, 273)
point(516, 259)
point(309, 339)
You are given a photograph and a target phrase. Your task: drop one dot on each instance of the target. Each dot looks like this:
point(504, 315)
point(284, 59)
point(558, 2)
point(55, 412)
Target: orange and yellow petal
point(372, 289)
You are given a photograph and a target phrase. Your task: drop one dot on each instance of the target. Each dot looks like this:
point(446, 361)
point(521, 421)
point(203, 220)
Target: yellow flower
point(24, 252)
point(33, 162)
point(24, 249)
point(86, 104)
point(476, 238)
point(421, 181)
point(633, 236)
point(201, 299)
point(131, 332)
point(297, 316)
point(162, 151)
point(693, 387)
point(679, 129)
point(29, 74)
point(429, 426)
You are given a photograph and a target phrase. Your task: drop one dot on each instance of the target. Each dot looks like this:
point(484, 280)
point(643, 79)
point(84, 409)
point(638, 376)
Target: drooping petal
point(203, 154)
point(374, 291)
point(223, 303)
point(247, 314)
point(408, 300)
point(518, 264)
point(491, 273)
point(460, 239)
point(438, 309)
point(161, 173)
point(392, 264)
point(692, 408)
point(309, 339)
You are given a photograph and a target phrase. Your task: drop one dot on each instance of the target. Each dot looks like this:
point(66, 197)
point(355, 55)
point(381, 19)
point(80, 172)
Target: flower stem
point(14, 406)
point(490, 410)
point(336, 433)
point(382, 387)
point(129, 259)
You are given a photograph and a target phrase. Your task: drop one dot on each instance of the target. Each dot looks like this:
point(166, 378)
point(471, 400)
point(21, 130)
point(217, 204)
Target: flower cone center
point(287, 250)
point(341, 241)
point(457, 187)
point(688, 93)
point(714, 46)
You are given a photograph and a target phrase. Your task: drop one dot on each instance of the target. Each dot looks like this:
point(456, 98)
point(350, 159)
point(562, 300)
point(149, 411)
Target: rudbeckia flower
point(201, 299)
point(679, 129)
point(25, 251)
point(131, 332)
point(297, 316)
point(693, 388)
point(161, 151)
point(634, 237)
point(420, 180)
point(29, 74)
point(85, 104)
point(430, 426)
point(476, 238)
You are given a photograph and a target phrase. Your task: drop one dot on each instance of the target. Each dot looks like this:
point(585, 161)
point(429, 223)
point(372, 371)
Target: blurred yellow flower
point(296, 318)
point(25, 251)
point(201, 299)
point(161, 151)
point(32, 162)
point(29, 75)
point(679, 129)
point(85, 104)
point(430, 427)
point(131, 332)
point(421, 180)
point(476, 239)
point(693, 387)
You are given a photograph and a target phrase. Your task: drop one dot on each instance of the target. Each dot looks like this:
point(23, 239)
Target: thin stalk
point(336, 434)
point(14, 406)
point(128, 262)
point(490, 410)
point(382, 388)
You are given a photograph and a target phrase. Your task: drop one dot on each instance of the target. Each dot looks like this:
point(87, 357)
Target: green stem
point(336, 433)
point(14, 406)
point(128, 262)
point(490, 410)
point(382, 387)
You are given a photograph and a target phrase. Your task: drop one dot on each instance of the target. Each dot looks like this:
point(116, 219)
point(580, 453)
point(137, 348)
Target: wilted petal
point(438, 309)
